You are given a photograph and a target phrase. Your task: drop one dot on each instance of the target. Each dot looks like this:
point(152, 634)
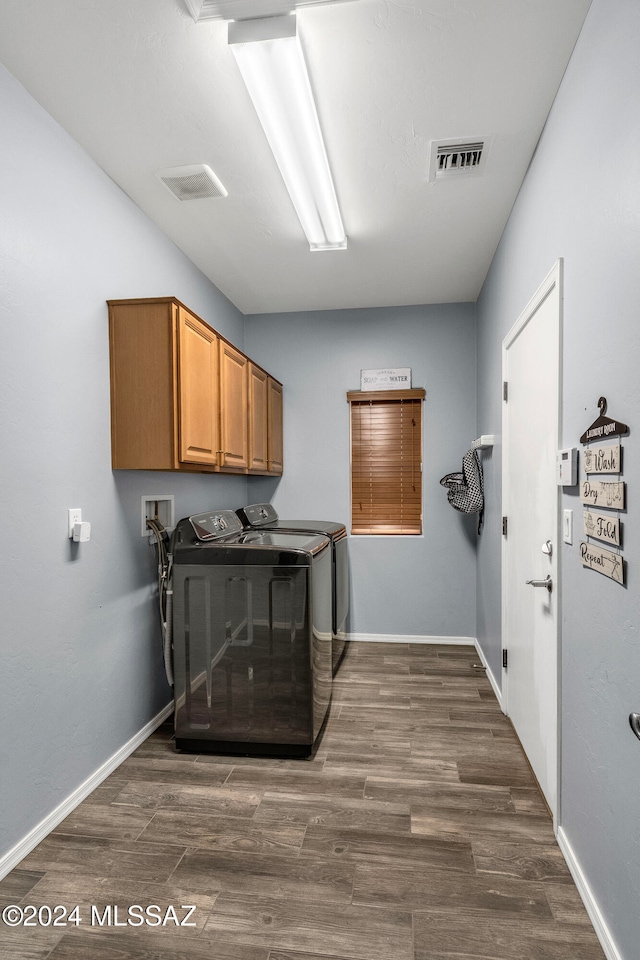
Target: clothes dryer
point(251, 637)
point(263, 516)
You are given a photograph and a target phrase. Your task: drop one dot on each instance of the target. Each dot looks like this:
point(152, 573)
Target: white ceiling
point(142, 87)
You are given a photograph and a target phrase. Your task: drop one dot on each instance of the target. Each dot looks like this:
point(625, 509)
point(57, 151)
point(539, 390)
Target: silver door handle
point(547, 582)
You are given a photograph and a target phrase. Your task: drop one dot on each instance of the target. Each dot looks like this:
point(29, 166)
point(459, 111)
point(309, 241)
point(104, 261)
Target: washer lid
point(324, 528)
point(269, 539)
point(264, 516)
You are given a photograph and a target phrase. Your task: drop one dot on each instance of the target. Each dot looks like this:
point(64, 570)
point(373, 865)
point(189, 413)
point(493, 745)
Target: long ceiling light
point(270, 58)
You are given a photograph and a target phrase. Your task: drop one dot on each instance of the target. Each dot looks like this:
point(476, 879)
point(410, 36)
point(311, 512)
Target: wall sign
point(604, 561)
point(603, 426)
point(602, 526)
point(601, 459)
point(603, 493)
point(394, 378)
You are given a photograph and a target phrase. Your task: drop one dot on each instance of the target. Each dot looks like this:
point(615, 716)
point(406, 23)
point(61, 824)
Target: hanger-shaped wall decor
point(603, 426)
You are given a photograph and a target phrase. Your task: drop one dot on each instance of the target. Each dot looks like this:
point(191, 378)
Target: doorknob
point(547, 582)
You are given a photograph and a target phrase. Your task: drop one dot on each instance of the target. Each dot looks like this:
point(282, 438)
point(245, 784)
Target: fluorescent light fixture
point(271, 62)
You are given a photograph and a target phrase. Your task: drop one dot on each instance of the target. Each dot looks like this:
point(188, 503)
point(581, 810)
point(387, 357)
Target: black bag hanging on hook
point(465, 490)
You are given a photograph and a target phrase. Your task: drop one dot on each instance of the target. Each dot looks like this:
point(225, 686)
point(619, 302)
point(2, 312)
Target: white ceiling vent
point(458, 158)
point(247, 9)
point(196, 182)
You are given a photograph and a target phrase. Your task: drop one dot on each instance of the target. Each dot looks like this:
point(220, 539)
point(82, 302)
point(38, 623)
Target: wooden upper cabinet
point(144, 374)
point(182, 397)
point(274, 427)
point(199, 387)
point(257, 419)
point(234, 432)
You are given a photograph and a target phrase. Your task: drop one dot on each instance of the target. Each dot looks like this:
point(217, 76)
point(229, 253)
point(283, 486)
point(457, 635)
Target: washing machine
point(252, 640)
point(263, 516)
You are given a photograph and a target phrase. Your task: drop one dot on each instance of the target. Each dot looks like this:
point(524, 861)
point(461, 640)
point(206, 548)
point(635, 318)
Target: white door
point(530, 622)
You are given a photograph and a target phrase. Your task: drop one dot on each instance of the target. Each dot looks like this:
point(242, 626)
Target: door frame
point(553, 281)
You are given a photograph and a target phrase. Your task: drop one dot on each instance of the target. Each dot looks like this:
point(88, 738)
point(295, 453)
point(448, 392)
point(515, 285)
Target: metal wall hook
point(634, 723)
point(602, 406)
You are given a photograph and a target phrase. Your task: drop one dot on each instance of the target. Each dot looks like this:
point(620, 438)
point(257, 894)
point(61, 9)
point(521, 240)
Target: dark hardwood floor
point(416, 832)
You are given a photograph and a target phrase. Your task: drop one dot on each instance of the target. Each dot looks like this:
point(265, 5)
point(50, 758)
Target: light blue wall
point(400, 585)
point(581, 201)
point(81, 661)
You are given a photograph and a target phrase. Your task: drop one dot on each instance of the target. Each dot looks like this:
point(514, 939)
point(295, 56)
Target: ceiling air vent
point(457, 158)
point(196, 182)
point(246, 9)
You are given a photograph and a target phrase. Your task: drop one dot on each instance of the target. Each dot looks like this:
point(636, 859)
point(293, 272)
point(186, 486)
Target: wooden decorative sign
point(395, 378)
point(602, 561)
point(604, 426)
point(601, 459)
point(603, 493)
point(602, 526)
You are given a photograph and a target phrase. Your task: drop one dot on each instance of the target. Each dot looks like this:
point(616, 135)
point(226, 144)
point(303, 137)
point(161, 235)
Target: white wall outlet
point(567, 526)
point(75, 516)
point(159, 507)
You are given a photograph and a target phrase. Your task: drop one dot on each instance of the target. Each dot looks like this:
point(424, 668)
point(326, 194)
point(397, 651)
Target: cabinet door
point(233, 408)
point(143, 421)
point(198, 391)
point(257, 419)
point(274, 455)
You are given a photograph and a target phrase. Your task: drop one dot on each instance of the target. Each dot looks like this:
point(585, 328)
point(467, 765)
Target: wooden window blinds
point(386, 461)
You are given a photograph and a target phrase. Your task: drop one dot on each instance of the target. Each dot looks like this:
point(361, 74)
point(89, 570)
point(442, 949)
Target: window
point(386, 461)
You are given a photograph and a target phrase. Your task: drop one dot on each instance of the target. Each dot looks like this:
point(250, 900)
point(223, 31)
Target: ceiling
point(142, 86)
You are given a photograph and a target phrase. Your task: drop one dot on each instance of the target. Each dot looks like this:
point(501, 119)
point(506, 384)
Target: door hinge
point(505, 390)
point(504, 526)
point(504, 659)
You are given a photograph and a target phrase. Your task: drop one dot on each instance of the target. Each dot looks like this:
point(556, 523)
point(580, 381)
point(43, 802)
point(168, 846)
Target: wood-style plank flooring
point(416, 832)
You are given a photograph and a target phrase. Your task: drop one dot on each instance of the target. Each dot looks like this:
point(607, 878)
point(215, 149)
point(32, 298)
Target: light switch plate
point(567, 526)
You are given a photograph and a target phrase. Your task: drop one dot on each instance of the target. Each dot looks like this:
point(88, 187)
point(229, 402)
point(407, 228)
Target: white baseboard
point(490, 676)
point(603, 933)
point(51, 821)
point(395, 638)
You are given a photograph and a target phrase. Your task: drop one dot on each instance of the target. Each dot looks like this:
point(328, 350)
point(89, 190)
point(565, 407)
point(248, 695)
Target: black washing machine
point(263, 516)
point(251, 637)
